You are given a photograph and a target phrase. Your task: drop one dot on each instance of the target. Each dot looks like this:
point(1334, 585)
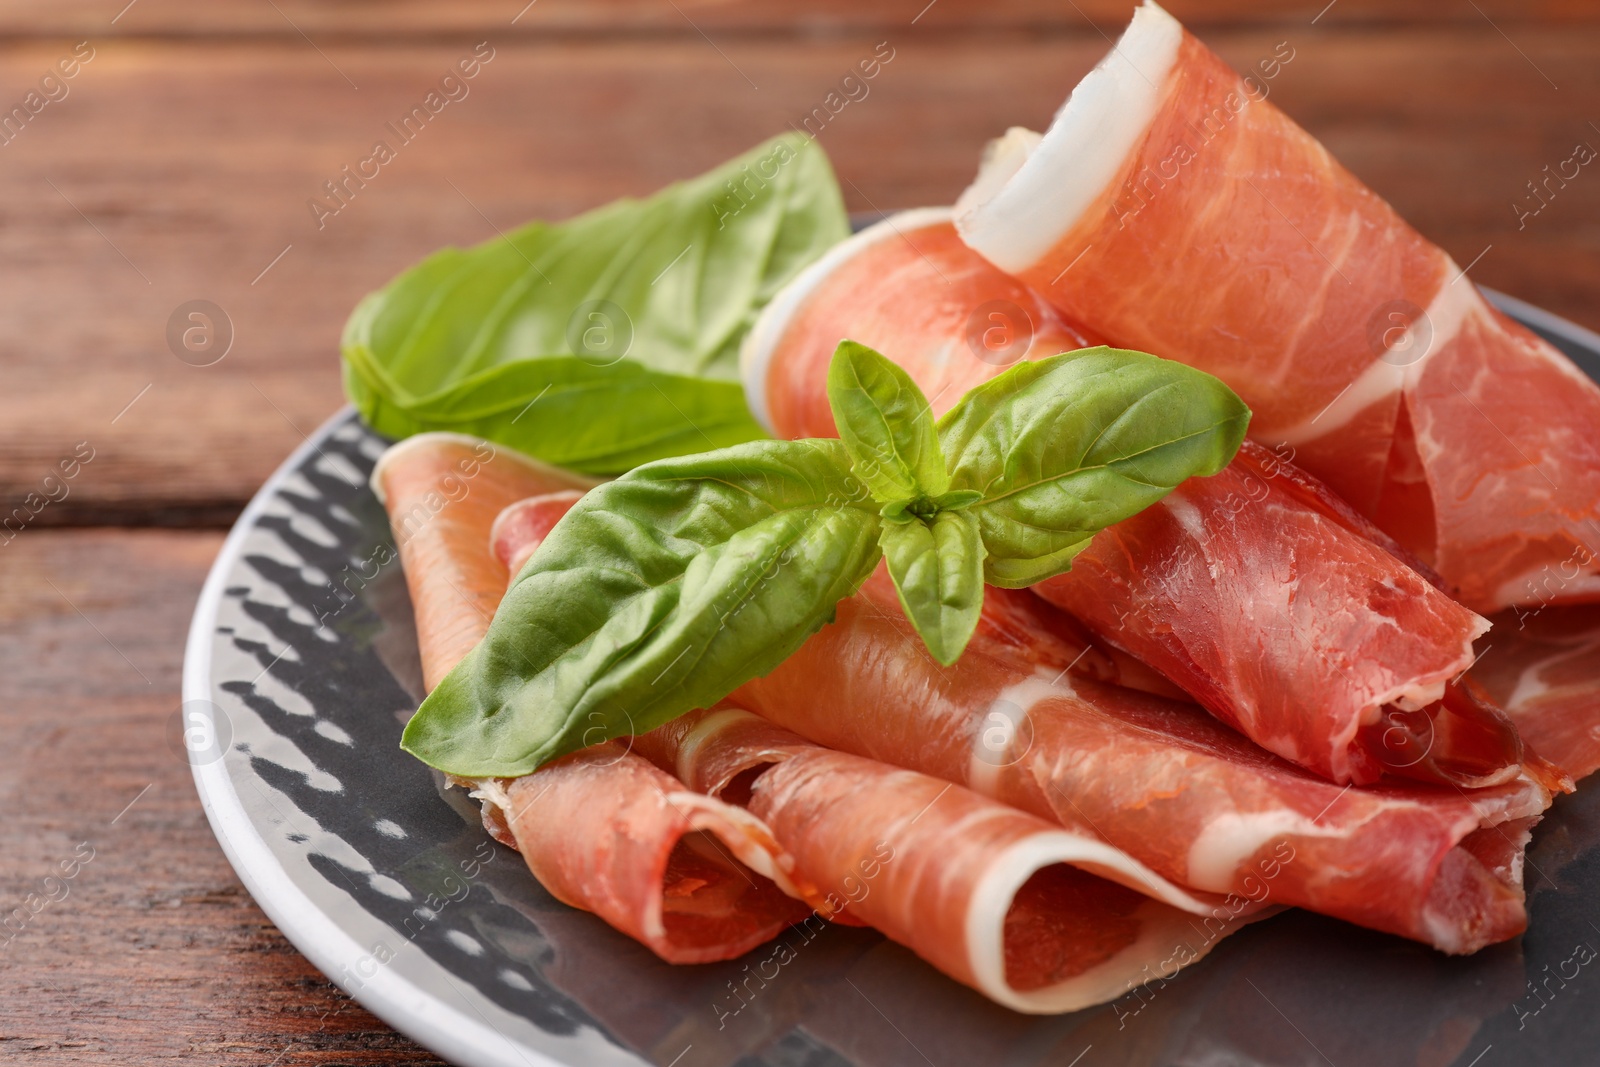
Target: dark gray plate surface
point(295, 695)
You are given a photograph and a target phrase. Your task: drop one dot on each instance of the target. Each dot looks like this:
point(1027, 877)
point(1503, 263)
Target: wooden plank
point(217, 149)
point(152, 952)
point(688, 18)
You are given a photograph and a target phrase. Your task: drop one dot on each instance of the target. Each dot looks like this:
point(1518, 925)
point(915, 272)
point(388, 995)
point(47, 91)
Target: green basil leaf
point(665, 286)
point(571, 420)
point(660, 592)
point(1064, 447)
point(938, 571)
point(886, 424)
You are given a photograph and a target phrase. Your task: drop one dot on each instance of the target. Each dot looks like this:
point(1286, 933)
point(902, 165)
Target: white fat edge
point(1188, 516)
point(395, 452)
point(1232, 837)
point(1418, 693)
point(1492, 810)
point(772, 324)
point(1442, 933)
point(1530, 687)
point(1446, 934)
point(1446, 313)
point(983, 774)
point(1531, 684)
point(736, 828)
point(1106, 860)
point(742, 832)
point(1079, 157)
point(1164, 932)
point(1002, 158)
point(489, 791)
point(1516, 590)
point(704, 730)
point(404, 447)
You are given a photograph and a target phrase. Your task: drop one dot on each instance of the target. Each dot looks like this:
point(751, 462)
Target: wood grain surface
point(180, 170)
point(178, 167)
point(152, 952)
point(392, 18)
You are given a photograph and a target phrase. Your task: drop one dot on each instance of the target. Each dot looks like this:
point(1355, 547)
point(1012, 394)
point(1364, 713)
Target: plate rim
point(417, 1013)
point(1537, 317)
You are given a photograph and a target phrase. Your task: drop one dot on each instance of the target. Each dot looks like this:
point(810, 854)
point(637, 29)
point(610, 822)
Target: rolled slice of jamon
point(1543, 667)
point(909, 275)
point(443, 492)
point(1260, 593)
point(691, 878)
point(998, 899)
point(1037, 917)
point(1263, 597)
point(1160, 780)
point(518, 529)
point(1174, 209)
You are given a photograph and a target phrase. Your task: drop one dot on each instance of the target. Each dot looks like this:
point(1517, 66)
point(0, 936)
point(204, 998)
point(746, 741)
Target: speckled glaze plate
point(301, 668)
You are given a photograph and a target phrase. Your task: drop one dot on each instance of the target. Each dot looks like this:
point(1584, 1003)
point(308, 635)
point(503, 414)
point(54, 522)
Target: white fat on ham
point(772, 324)
point(1227, 843)
point(744, 834)
point(1004, 738)
point(1542, 584)
point(734, 829)
point(1032, 202)
point(971, 884)
point(1002, 158)
point(1389, 374)
point(1166, 939)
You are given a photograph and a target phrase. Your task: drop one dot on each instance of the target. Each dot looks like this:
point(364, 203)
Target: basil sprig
point(666, 589)
point(657, 593)
point(934, 552)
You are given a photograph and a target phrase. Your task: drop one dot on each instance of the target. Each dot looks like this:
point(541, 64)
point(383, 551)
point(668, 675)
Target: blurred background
point(165, 157)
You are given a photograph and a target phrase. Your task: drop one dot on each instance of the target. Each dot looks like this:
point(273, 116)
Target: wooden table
point(178, 167)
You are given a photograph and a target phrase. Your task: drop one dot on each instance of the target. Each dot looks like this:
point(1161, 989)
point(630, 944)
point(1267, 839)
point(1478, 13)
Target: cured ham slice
point(994, 897)
point(691, 878)
point(1543, 667)
point(1160, 780)
point(1257, 591)
point(1310, 639)
point(1175, 210)
point(1037, 917)
point(909, 274)
point(443, 492)
point(519, 528)
point(605, 831)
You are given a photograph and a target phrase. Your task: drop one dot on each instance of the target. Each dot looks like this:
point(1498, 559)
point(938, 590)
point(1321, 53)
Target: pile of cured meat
point(1277, 687)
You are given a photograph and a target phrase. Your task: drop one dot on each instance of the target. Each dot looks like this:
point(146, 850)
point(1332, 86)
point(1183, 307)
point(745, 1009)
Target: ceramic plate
point(301, 668)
